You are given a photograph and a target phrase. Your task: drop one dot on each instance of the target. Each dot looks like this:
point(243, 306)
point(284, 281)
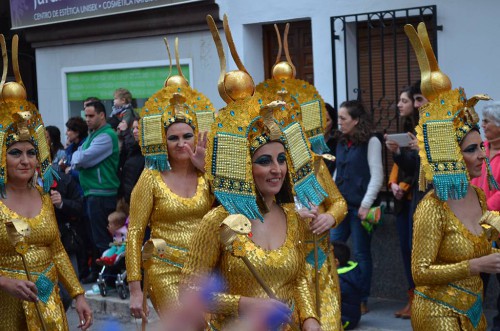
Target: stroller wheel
point(122, 292)
point(102, 289)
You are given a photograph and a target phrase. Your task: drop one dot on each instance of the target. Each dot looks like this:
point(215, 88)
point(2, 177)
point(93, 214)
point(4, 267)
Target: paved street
point(112, 314)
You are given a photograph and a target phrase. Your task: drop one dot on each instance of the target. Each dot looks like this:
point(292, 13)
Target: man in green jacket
point(97, 161)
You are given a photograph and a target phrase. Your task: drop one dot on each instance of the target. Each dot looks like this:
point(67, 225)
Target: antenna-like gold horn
point(434, 81)
point(179, 79)
point(236, 84)
point(5, 60)
point(13, 90)
point(283, 69)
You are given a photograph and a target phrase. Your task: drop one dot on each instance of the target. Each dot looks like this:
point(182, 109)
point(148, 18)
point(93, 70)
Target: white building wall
point(467, 47)
point(51, 61)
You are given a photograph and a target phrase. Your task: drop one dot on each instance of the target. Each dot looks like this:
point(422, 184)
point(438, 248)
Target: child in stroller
point(113, 259)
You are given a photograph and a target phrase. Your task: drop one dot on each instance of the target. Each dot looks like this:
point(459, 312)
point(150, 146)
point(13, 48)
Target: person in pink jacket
point(491, 128)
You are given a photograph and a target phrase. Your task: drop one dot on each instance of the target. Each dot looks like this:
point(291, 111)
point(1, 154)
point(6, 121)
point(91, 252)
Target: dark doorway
point(299, 45)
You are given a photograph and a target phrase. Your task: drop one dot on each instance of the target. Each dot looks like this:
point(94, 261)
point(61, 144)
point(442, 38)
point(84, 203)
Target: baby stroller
point(113, 270)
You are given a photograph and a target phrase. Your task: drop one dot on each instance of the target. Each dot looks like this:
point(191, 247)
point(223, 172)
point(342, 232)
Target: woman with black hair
point(57, 153)
point(359, 176)
point(401, 182)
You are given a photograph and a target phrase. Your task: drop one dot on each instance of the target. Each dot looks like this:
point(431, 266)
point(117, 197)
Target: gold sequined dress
point(171, 218)
point(329, 287)
point(47, 262)
point(447, 296)
point(283, 269)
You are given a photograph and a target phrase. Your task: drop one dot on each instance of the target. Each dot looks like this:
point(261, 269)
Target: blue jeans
point(98, 209)
point(361, 241)
point(404, 225)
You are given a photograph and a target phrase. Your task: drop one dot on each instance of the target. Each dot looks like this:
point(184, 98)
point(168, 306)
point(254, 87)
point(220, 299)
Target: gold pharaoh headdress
point(298, 94)
point(245, 124)
point(175, 102)
point(20, 120)
point(444, 122)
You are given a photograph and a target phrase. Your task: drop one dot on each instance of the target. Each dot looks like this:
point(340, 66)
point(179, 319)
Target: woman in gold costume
point(450, 246)
point(32, 257)
point(256, 160)
point(307, 103)
point(171, 196)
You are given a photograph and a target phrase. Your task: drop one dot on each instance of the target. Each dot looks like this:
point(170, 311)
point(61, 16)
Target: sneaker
point(93, 291)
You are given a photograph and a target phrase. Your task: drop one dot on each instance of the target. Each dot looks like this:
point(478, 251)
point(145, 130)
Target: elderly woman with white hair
point(491, 127)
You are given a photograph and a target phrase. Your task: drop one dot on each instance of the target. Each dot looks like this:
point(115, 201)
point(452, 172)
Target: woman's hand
point(136, 299)
point(322, 223)
point(311, 324)
point(489, 264)
point(392, 145)
point(198, 156)
point(84, 312)
point(397, 191)
point(362, 212)
point(308, 213)
point(18, 288)
point(56, 198)
point(264, 311)
point(413, 144)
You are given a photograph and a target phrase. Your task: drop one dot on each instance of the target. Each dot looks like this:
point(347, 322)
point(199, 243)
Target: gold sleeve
point(428, 231)
point(303, 295)
point(141, 206)
point(202, 257)
point(335, 203)
point(65, 272)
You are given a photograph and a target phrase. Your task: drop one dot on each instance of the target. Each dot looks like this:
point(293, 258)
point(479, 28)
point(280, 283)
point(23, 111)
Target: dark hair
point(416, 87)
point(333, 115)
point(98, 106)
point(362, 130)
point(78, 124)
point(342, 252)
point(408, 123)
point(90, 99)
point(55, 139)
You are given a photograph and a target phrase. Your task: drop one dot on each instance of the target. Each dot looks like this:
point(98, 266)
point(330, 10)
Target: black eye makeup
point(263, 160)
point(281, 158)
point(17, 152)
point(188, 136)
point(14, 152)
point(473, 148)
point(172, 138)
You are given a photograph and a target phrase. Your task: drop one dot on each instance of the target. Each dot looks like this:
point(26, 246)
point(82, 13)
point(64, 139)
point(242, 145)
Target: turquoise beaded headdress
point(175, 102)
point(244, 125)
point(444, 122)
point(298, 94)
point(20, 120)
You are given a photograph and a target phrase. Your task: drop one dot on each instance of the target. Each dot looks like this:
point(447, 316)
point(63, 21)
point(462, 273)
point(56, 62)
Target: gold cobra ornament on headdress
point(267, 117)
point(237, 84)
